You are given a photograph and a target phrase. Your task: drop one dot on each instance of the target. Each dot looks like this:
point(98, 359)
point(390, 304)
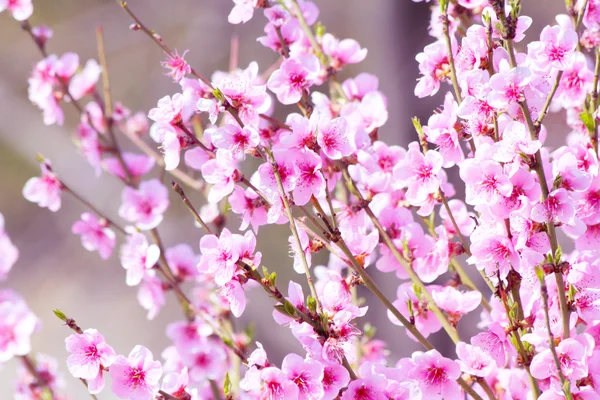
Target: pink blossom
point(473, 360)
point(494, 342)
point(235, 139)
point(571, 355)
point(137, 165)
point(168, 110)
point(151, 293)
point(242, 11)
point(250, 206)
point(293, 77)
point(434, 66)
point(17, 324)
point(84, 82)
point(290, 32)
point(219, 172)
point(90, 355)
point(420, 173)
point(146, 205)
point(176, 384)
point(21, 10)
point(425, 321)
point(298, 252)
point(456, 303)
point(436, 375)
point(8, 251)
point(306, 374)
point(485, 182)
point(555, 49)
point(508, 86)
point(234, 294)
point(182, 261)
point(137, 257)
point(557, 208)
point(45, 190)
point(342, 52)
point(515, 141)
point(219, 256)
point(333, 138)
point(494, 253)
point(310, 180)
point(136, 376)
point(95, 235)
point(335, 378)
point(276, 385)
point(576, 82)
point(286, 168)
point(176, 66)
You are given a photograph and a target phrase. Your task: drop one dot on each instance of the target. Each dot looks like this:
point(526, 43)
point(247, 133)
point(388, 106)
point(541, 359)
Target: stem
point(92, 208)
point(293, 228)
point(307, 30)
point(214, 388)
point(190, 207)
point(166, 395)
point(40, 382)
point(450, 330)
point(594, 101)
point(108, 109)
point(546, 106)
point(564, 383)
point(462, 239)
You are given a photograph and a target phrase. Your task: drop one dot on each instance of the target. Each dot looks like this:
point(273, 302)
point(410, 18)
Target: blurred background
point(54, 271)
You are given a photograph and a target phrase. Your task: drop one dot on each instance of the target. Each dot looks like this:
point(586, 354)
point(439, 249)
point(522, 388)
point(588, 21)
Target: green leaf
point(588, 120)
point(273, 278)
point(227, 385)
point(311, 303)
point(61, 315)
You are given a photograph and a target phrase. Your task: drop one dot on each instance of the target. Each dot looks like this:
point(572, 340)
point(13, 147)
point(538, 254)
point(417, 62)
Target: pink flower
point(576, 82)
point(242, 11)
point(219, 256)
point(234, 294)
point(515, 141)
point(8, 252)
point(137, 164)
point(473, 360)
point(177, 67)
point(508, 86)
point(45, 190)
point(176, 384)
point(250, 205)
point(17, 324)
point(293, 77)
point(420, 173)
point(146, 205)
point(20, 9)
point(84, 82)
point(182, 261)
point(494, 342)
point(135, 377)
point(276, 385)
point(306, 374)
point(286, 167)
point(235, 139)
point(137, 257)
point(434, 66)
point(436, 375)
point(485, 182)
point(557, 208)
point(95, 235)
point(333, 137)
point(572, 357)
point(494, 253)
point(335, 378)
point(342, 52)
point(456, 303)
point(168, 110)
point(219, 172)
point(90, 355)
point(151, 294)
point(310, 180)
point(556, 48)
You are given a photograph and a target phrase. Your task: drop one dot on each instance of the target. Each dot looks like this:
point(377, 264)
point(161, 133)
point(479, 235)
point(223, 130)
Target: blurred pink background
point(54, 271)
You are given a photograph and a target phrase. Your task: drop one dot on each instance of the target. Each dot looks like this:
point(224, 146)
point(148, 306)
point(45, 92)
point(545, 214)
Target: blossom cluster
point(516, 244)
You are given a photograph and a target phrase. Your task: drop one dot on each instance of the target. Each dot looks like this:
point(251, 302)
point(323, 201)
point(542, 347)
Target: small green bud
point(60, 315)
